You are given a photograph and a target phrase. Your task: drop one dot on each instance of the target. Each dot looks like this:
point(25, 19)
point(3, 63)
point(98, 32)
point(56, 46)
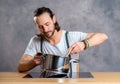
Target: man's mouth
point(48, 34)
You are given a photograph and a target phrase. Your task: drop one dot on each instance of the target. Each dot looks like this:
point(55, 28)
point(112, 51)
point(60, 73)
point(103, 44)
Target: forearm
point(24, 66)
point(92, 39)
point(96, 38)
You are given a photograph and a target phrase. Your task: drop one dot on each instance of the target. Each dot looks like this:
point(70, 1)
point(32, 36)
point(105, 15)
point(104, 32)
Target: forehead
point(42, 18)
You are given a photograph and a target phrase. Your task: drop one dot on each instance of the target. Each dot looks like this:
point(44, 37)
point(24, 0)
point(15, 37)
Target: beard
point(49, 33)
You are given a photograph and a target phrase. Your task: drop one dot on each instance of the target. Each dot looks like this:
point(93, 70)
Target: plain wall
point(17, 27)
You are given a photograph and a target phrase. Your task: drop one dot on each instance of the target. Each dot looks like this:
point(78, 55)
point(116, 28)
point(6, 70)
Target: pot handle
point(43, 57)
point(74, 60)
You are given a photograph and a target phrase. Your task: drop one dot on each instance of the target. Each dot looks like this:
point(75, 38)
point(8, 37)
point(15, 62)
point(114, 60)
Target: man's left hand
point(77, 47)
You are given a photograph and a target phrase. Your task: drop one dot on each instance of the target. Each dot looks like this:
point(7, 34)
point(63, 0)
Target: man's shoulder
point(73, 32)
point(64, 31)
point(35, 38)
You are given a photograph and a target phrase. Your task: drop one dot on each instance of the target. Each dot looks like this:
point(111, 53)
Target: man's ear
point(54, 19)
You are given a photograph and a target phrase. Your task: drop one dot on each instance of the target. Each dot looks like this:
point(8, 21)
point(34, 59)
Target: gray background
point(17, 27)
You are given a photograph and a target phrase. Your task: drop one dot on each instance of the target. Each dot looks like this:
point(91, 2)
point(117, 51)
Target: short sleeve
point(32, 48)
point(76, 36)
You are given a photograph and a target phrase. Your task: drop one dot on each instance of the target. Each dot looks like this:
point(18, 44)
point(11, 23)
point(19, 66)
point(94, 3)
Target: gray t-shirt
point(58, 49)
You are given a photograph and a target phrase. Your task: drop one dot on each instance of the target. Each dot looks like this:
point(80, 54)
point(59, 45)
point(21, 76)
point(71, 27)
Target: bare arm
point(28, 62)
point(94, 40)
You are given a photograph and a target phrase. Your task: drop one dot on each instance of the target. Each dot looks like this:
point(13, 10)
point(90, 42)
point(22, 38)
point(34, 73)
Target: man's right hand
point(37, 58)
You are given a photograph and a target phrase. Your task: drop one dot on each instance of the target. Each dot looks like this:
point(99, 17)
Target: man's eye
point(47, 24)
point(40, 27)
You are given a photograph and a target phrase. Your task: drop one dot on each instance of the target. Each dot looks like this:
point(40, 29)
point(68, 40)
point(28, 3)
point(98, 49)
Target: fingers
point(76, 48)
point(71, 48)
point(37, 59)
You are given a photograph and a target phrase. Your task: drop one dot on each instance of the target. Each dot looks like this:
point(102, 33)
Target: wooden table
point(99, 78)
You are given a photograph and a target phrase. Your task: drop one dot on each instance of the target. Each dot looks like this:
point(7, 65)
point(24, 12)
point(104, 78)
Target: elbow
point(21, 69)
point(105, 36)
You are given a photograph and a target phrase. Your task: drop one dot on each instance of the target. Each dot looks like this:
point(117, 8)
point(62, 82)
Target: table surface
point(99, 77)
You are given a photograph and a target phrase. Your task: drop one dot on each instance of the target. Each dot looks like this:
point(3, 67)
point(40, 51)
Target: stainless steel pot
point(55, 63)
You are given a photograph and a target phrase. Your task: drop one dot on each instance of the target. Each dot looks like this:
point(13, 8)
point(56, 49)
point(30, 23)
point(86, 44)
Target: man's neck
point(55, 39)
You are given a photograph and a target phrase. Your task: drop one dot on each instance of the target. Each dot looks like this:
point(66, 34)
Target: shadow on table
point(58, 75)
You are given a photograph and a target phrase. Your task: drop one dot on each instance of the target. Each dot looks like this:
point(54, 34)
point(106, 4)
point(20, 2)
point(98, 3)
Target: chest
point(58, 49)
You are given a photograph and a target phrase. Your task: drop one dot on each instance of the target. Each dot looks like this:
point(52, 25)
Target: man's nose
point(45, 29)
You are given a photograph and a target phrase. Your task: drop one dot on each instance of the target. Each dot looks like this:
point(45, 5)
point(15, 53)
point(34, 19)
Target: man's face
point(46, 25)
